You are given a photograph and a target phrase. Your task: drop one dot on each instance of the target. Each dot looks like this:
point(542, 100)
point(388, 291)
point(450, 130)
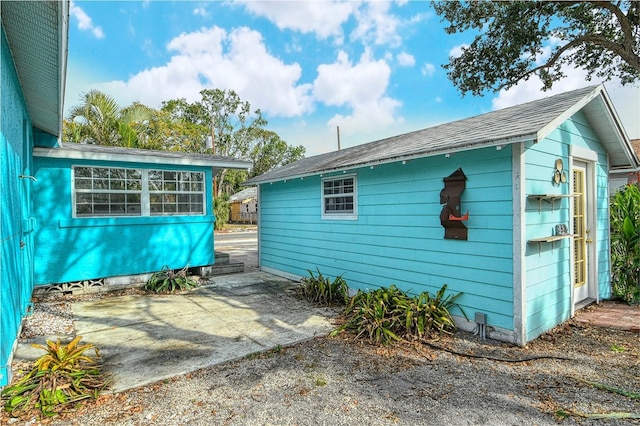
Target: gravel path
point(339, 381)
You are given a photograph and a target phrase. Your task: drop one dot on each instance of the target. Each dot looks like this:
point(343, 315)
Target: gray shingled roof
point(251, 192)
point(528, 121)
point(113, 153)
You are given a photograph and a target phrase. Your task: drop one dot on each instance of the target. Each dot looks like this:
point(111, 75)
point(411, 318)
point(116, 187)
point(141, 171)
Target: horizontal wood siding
point(548, 266)
point(398, 238)
point(69, 249)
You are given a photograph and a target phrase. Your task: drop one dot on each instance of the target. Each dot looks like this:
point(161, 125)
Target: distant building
point(620, 177)
point(244, 206)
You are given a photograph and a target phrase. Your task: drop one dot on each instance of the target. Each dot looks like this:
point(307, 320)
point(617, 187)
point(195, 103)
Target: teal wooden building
point(106, 212)
point(82, 213)
point(509, 207)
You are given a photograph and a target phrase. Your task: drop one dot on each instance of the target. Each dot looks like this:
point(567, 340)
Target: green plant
point(617, 348)
point(169, 280)
point(322, 291)
point(320, 381)
point(63, 375)
point(221, 210)
point(389, 314)
point(625, 247)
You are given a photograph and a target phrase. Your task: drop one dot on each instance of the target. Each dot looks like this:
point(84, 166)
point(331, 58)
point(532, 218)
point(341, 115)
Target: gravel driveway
point(457, 380)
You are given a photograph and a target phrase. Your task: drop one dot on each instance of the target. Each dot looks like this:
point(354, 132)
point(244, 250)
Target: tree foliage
point(269, 152)
point(223, 118)
point(517, 40)
point(220, 123)
point(99, 120)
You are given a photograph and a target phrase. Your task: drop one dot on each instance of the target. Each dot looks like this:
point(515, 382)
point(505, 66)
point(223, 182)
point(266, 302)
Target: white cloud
point(360, 87)
point(376, 25)
point(405, 59)
point(457, 50)
point(213, 58)
point(324, 19)
point(200, 11)
point(625, 98)
point(85, 22)
point(428, 69)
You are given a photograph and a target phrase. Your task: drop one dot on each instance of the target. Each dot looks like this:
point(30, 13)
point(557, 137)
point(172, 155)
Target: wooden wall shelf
point(550, 239)
point(549, 198)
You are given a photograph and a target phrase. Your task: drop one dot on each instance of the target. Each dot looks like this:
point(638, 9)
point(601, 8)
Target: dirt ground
point(571, 375)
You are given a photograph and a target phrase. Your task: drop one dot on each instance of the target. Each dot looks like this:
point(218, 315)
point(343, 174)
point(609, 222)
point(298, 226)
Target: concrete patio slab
point(147, 338)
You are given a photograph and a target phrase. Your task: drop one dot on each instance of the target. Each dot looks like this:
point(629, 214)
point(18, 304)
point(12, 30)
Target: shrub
point(221, 211)
point(625, 248)
point(62, 376)
point(322, 291)
point(389, 314)
point(169, 281)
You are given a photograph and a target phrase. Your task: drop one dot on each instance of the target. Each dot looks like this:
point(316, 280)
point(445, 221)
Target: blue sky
point(372, 68)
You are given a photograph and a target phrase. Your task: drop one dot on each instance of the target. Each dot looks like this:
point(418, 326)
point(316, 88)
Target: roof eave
point(449, 151)
point(149, 158)
point(620, 132)
point(63, 43)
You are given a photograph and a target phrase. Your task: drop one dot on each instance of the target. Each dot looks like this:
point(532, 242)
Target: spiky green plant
point(322, 291)
point(62, 376)
point(169, 281)
point(388, 314)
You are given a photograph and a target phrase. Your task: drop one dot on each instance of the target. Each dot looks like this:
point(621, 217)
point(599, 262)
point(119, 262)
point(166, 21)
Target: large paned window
point(111, 191)
point(173, 193)
point(105, 191)
point(339, 198)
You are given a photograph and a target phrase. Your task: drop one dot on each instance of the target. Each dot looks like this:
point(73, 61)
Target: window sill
point(339, 217)
point(133, 221)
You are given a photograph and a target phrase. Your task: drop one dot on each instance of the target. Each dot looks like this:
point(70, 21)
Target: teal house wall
point(72, 249)
point(513, 266)
point(397, 237)
point(16, 272)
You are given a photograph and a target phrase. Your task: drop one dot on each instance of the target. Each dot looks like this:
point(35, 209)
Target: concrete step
point(221, 258)
point(222, 266)
point(218, 269)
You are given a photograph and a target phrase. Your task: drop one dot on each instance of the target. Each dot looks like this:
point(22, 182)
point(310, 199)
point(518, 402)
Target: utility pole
point(338, 130)
point(213, 152)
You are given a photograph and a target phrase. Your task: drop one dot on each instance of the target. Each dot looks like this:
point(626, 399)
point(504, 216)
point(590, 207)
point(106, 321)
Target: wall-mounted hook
point(465, 217)
point(28, 177)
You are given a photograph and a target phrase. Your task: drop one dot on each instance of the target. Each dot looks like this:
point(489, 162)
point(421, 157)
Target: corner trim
point(518, 249)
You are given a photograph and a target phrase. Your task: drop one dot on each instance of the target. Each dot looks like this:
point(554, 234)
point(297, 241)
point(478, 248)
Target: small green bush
point(387, 315)
point(62, 376)
point(322, 291)
point(222, 211)
point(170, 281)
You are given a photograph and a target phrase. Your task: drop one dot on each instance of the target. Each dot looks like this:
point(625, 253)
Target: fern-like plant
point(169, 281)
point(321, 290)
point(62, 376)
point(388, 314)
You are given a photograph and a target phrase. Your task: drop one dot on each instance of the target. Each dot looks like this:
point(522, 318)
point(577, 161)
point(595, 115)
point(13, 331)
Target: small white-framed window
point(111, 191)
point(339, 197)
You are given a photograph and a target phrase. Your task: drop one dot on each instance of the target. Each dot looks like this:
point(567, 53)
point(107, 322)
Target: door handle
point(589, 240)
